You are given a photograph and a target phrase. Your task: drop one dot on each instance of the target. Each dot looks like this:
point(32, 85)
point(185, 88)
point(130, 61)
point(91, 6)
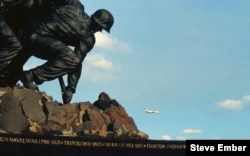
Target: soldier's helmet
point(104, 18)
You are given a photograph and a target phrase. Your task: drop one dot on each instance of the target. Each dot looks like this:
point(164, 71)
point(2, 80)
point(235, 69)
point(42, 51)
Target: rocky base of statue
point(27, 111)
point(32, 123)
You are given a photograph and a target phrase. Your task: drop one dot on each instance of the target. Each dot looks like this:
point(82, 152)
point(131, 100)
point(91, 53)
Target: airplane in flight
point(151, 111)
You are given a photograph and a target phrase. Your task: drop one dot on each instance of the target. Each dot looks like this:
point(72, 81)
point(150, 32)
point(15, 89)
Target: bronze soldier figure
point(49, 38)
point(14, 16)
point(9, 44)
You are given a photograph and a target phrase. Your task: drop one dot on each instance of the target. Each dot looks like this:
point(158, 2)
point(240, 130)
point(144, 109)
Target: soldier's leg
point(9, 48)
point(60, 60)
point(9, 44)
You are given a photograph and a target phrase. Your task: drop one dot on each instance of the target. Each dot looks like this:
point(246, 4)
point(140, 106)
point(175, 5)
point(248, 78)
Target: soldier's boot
point(27, 78)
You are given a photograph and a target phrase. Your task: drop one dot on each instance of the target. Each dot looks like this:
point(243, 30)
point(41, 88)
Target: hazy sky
point(188, 59)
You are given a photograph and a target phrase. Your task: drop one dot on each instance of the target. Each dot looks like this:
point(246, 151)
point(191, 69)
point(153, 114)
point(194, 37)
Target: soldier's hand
point(67, 95)
point(65, 2)
point(28, 3)
point(69, 1)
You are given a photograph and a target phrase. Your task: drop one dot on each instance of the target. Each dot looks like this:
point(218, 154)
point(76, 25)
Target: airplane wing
point(152, 111)
point(157, 112)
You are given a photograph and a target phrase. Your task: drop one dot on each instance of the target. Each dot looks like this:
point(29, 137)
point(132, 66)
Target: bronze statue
point(49, 35)
point(14, 16)
point(9, 43)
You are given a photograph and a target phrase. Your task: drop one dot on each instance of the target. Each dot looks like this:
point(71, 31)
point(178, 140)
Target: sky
point(188, 59)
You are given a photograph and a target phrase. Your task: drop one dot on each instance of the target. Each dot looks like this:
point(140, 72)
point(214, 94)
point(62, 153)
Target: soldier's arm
point(55, 2)
point(73, 78)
